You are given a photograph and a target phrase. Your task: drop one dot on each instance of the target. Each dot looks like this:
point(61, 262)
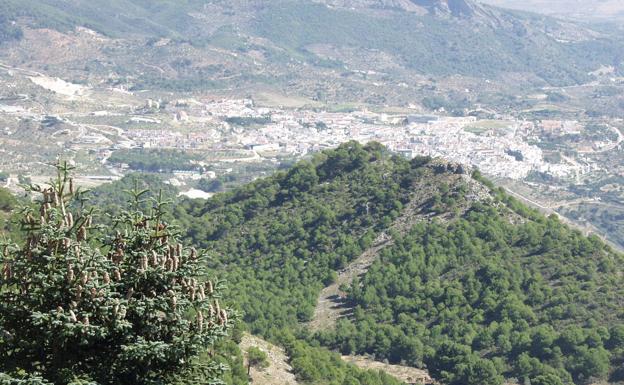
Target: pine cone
point(223, 317)
point(200, 320)
point(6, 271)
point(217, 307)
point(82, 234)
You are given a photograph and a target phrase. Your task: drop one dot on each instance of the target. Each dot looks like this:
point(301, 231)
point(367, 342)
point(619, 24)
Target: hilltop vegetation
point(478, 289)
point(280, 239)
point(482, 297)
point(488, 291)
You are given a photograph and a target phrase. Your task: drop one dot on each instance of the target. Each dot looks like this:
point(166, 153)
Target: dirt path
point(278, 372)
point(332, 305)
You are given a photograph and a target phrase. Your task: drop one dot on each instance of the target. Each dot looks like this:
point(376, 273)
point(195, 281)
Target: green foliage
point(229, 354)
point(132, 307)
point(8, 204)
point(7, 201)
point(480, 297)
point(111, 198)
point(256, 358)
point(156, 160)
point(211, 185)
point(278, 239)
point(314, 365)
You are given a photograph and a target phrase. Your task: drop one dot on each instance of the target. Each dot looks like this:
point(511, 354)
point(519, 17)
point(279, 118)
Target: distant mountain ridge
point(311, 48)
point(457, 8)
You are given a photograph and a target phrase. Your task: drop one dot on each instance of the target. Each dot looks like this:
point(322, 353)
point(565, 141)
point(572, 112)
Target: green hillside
point(484, 289)
point(481, 297)
point(279, 240)
point(486, 45)
point(515, 42)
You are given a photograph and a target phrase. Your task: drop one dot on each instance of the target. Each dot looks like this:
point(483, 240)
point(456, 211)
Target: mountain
point(455, 276)
point(318, 49)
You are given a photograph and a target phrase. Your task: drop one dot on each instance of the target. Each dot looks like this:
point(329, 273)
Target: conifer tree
point(80, 303)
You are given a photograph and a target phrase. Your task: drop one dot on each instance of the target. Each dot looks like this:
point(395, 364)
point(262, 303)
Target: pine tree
point(80, 303)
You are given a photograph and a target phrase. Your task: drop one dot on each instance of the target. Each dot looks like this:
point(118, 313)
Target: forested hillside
point(480, 289)
point(279, 240)
point(482, 297)
point(475, 287)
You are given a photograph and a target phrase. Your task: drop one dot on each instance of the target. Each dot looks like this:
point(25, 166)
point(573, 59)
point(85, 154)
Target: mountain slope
point(491, 294)
point(306, 224)
point(278, 41)
point(476, 289)
point(487, 45)
point(333, 304)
